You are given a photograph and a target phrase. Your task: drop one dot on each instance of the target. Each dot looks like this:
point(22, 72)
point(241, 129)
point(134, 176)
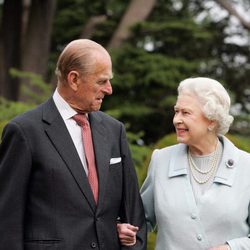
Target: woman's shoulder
point(232, 149)
point(169, 150)
point(244, 155)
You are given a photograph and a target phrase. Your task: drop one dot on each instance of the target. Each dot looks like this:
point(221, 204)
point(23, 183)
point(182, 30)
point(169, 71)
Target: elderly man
point(66, 174)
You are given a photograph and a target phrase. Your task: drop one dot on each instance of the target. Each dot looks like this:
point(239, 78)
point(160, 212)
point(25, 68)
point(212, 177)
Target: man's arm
point(132, 210)
point(15, 162)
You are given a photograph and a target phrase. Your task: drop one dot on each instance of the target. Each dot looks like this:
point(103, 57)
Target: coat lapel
point(178, 162)
point(228, 165)
point(57, 132)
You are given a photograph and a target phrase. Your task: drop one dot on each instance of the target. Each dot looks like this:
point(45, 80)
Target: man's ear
point(73, 77)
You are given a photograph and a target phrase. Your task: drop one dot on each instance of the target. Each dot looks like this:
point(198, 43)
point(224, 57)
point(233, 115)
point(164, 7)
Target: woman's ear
point(72, 78)
point(212, 125)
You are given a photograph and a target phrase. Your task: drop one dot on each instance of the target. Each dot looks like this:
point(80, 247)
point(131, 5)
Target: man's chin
point(96, 108)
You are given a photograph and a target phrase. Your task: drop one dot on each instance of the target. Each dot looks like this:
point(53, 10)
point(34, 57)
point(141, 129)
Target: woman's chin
point(180, 139)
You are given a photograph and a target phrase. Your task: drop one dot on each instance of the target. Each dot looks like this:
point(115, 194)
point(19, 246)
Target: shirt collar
point(63, 107)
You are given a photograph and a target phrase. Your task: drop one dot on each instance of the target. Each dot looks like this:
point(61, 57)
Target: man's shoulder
point(106, 117)
point(30, 115)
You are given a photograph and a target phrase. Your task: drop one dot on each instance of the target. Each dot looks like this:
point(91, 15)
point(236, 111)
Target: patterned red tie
point(89, 152)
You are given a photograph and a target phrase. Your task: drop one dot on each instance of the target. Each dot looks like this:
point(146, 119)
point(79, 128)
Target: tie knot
point(81, 120)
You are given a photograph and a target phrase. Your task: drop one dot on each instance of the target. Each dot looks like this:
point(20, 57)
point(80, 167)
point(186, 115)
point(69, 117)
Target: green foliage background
point(168, 47)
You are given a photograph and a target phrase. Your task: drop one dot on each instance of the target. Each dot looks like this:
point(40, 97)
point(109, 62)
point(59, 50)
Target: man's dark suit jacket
point(46, 202)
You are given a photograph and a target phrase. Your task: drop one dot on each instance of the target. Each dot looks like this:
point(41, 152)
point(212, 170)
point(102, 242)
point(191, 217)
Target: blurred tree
point(227, 5)
point(25, 41)
point(137, 11)
point(232, 51)
point(168, 47)
point(10, 45)
point(170, 41)
point(37, 38)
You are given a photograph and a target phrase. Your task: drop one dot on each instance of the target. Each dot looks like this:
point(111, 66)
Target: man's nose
point(108, 88)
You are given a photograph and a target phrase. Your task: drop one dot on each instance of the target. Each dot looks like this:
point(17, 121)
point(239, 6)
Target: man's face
point(92, 88)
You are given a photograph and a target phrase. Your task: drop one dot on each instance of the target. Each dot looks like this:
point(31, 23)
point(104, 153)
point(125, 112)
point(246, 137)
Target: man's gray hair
point(79, 55)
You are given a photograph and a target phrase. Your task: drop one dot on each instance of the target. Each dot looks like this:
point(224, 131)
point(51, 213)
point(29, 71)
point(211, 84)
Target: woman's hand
point(127, 234)
point(222, 247)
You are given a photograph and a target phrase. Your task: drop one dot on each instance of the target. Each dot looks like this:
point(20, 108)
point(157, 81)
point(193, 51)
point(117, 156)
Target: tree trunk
point(36, 44)
point(228, 6)
point(38, 36)
point(89, 28)
point(10, 47)
point(138, 11)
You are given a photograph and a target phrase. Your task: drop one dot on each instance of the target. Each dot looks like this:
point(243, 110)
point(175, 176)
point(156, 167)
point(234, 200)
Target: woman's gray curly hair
point(214, 99)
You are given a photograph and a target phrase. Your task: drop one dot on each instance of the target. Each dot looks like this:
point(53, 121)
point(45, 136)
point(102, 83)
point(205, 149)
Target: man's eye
point(102, 82)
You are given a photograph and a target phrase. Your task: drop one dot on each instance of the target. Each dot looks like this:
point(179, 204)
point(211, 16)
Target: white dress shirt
point(74, 129)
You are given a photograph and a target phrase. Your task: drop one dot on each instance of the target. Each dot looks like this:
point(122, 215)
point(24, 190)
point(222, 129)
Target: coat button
point(199, 237)
point(193, 216)
point(93, 245)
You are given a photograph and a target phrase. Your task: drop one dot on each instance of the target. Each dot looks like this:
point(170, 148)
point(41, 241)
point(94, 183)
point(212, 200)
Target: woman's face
point(190, 123)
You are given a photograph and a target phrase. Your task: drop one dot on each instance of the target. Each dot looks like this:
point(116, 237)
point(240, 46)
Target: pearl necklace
point(206, 174)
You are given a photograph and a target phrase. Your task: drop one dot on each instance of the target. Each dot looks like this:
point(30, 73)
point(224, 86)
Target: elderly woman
point(197, 192)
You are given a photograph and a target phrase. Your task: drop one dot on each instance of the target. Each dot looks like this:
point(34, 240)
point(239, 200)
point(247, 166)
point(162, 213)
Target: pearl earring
point(210, 129)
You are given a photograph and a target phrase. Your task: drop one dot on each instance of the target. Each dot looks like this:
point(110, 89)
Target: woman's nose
point(177, 119)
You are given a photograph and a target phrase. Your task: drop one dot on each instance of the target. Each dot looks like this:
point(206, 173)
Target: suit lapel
point(102, 152)
point(57, 131)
